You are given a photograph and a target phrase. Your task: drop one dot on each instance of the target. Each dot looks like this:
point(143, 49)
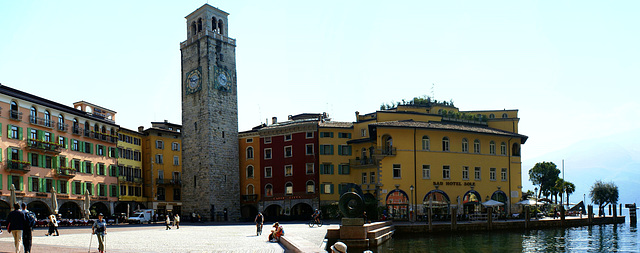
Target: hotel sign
point(453, 183)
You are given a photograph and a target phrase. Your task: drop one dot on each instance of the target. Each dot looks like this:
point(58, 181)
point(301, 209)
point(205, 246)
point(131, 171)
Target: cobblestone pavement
point(238, 237)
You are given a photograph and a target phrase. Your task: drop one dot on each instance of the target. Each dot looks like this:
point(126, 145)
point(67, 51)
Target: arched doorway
point(471, 202)
point(272, 212)
point(248, 212)
point(39, 208)
point(301, 211)
point(99, 207)
point(122, 208)
point(397, 202)
point(70, 210)
point(500, 196)
point(4, 210)
point(438, 201)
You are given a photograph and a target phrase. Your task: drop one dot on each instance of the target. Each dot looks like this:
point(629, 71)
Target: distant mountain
point(613, 158)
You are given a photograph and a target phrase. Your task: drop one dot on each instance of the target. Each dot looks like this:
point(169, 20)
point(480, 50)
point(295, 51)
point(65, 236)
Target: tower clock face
point(223, 80)
point(193, 81)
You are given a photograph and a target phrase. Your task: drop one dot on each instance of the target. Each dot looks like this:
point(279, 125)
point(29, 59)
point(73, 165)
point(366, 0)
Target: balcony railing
point(129, 179)
point(18, 166)
point(294, 195)
point(43, 145)
point(168, 181)
point(63, 127)
point(385, 151)
point(41, 121)
point(250, 198)
point(15, 115)
point(77, 130)
point(65, 172)
point(362, 163)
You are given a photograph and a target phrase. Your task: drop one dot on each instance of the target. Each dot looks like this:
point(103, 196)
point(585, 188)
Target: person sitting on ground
point(276, 233)
point(339, 247)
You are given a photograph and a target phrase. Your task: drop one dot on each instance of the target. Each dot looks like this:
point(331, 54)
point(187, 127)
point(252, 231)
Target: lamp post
point(411, 205)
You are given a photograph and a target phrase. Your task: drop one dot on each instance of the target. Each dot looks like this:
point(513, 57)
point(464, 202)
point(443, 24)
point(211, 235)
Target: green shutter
point(331, 186)
point(39, 134)
point(81, 146)
point(41, 160)
point(9, 177)
point(0, 174)
point(339, 149)
point(91, 148)
point(117, 152)
point(0, 153)
point(43, 185)
point(9, 130)
point(54, 162)
point(73, 188)
point(331, 151)
point(20, 155)
point(81, 169)
point(331, 169)
point(29, 133)
point(0, 135)
point(19, 133)
point(66, 142)
point(322, 188)
point(29, 181)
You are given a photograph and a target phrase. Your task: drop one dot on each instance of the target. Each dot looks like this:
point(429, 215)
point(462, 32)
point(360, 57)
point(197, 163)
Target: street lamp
point(411, 204)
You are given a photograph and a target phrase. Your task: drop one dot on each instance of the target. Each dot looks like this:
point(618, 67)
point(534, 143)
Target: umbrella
point(54, 200)
point(492, 203)
point(13, 195)
point(86, 204)
point(530, 202)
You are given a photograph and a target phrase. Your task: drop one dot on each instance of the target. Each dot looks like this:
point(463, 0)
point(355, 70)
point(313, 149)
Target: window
point(34, 184)
point(267, 153)
point(249, 152)
point(309, 149)
point(249, 140)
point(267, 140)
point(326, 149)
point(176, 194)
point(88, 148)
point(250, 171)
point(268, 190)
point(343, 169)
point(47, 119)
point(465, 172)
point(311, 187)
point(33, 114)
point(61, 125)
point(159, 159)
point(426, 171)
point(503, 174)
point(76, 165)
point(34, 160)
point(48, 162)
point(476, 146)
point(445, 144)
point(161, 193)
point(100, 150)
point(74, 145)
point(176, 160)
point(123, 190)
point(446, 172)
point(288, 151)
point(288, 188)
point(101, 170)
point(15, 132)
point(503, 148)
point(77, 187)
point(504, 116)
point(396, 171)
point(492, 174)
point(363, 132)
point(425, 143)
point(364, 178)
point(492, 116)
point(62, 141)
point(287, 137)
point(465, 145)
point(344, 135)
point(309, 135)
point(288, 170)
point(63, 187)
point(326, 169)
point(102, 190)
point(175, 146)
point(309, 168)
point(372, 180)
point(344, 150)
point(89, 188)
point(267, 172)
point(326, 188)
point(492, 148)
point(159, 144)
point(326, 134)
point(477, 173)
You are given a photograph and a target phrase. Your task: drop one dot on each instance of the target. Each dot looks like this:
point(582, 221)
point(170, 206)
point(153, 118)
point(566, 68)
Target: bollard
point(430, 220)
point(489, 217)
point(526, 217)
point(562, 216)
point(610, 210)
point(615, 213)
point(454, 220)
point(590, 214)
point(632, 214)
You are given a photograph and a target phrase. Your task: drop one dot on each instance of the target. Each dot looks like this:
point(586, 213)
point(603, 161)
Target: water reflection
point(601, 238)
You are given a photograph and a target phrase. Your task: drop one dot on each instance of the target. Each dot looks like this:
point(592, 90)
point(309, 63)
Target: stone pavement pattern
point(154, 238)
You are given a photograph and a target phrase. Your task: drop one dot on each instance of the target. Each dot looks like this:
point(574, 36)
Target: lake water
point(599, 238)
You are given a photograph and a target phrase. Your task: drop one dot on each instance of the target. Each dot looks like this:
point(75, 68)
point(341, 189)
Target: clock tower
point(210, 176)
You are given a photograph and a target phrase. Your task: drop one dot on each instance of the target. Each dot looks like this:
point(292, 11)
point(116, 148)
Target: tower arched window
point(13, 110)
point(476, 146)
point(250, 171)
point(199, 25)
point(288, 188)
point(504, 116)
point(515, 149)
point(75, 127)
point(465, 145)
point(194, 29)
point(445, 144)
point(220, 27)
point(214, 24)
point(33, 114)
point(425, 143)
point(61, 125)
point(250, 153)
point(268, 190)
point(87, 128)
point(311, 187)
point(492, 147)
point(503, 148)
point(250, 189)
point(47, 119)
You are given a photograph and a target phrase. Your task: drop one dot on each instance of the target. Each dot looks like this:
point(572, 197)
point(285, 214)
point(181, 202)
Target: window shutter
point(331, 169)
point(331, 185)
point(339, 149)
point(39, 134)
point(73, 188)
point(331, 152)
point(43, 185)
point(0, 177)
point(331, 134)
point(9, 177)
point(54, 162)
point(81, 169)
point(81, 146)
point(21, 186)
point(20, 155)
point(339, 188)
point(30, 182)
point(20, 133)
point(57, 185)
point(29, 135)
point(0, 153)
point(9, 130)
point(322, 188)
point(41, 161)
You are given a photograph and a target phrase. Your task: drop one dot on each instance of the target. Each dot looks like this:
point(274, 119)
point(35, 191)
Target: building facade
point(46, 145)
point(210, 117)
point(130, 181)
point(250, 172)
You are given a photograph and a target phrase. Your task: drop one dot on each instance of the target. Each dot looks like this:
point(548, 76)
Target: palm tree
point(569, 188)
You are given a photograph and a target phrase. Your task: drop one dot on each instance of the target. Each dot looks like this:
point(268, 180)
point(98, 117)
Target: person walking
point(168, 222)
point(176, 221)
point(259, 223)
point(99, 228)
point(15, 224)
point(27, 232)
point(53, 225)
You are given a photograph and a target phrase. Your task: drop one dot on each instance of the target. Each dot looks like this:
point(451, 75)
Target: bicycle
point(314, 222)
point(258, 229)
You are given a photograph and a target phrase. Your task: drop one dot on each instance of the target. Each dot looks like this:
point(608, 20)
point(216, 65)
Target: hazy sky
point(569, 67)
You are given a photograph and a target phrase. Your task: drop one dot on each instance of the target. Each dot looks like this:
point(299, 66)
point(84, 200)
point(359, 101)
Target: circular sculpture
point(351, 205)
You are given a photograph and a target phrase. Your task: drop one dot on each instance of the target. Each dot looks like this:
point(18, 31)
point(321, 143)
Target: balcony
point(295, 195)
point(43, 145)
point(77, 130)
point(41, 121)
point(129, 179)
point(250, 198)
point(384, 151)
point(63, 127)
point(363, 163)
point(15, 115)
point(18, 166)
point(163, 181)
point(65, 172)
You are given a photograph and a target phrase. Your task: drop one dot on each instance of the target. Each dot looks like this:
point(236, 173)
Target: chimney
point(274, 120)
point(141, 129)
point(166, 121)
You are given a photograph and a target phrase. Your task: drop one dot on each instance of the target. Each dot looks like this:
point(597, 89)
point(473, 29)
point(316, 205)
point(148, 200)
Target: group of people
point(20, 223)
point(275, 234)
point(176, 221)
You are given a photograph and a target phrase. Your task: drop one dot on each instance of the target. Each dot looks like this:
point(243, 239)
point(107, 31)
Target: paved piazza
point(211, 237)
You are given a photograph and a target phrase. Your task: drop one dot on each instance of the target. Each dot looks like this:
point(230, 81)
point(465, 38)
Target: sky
point(569, 67)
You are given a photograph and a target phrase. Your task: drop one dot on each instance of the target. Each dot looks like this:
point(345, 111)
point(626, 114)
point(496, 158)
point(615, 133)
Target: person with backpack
point(27, 234)
point(99, 228)
point(16, 222)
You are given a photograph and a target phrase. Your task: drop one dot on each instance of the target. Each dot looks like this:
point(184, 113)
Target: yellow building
point(161, 167)
point(412, 157)
point(249, 148)
point(130, 171)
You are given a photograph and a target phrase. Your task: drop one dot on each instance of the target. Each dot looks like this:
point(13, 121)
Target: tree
point(562, 186)
point(544, 175)
point(569, 188)
point(603, 194)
